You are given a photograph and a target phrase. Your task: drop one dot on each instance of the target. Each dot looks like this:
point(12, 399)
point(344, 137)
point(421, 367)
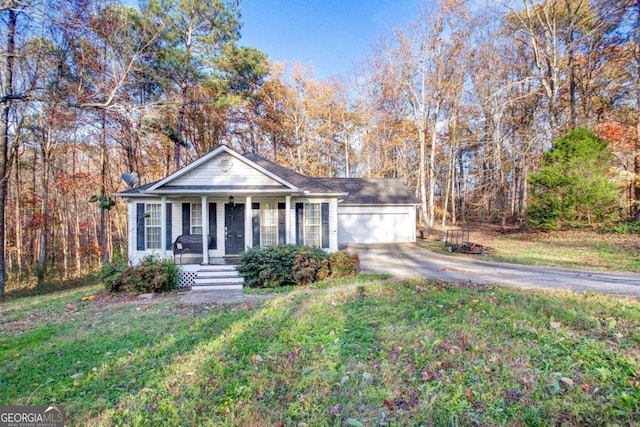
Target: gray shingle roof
point(373, 191)
point(361, 191)
point(313, 185)
point(136, 190)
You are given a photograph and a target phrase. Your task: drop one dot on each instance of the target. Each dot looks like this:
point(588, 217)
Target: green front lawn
point(569, 249)
point(409, 353)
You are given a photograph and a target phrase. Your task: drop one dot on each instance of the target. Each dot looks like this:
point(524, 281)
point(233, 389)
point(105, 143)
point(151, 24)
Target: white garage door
point(372, 227)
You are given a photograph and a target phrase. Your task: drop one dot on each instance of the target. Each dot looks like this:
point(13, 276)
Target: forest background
point(461, 104)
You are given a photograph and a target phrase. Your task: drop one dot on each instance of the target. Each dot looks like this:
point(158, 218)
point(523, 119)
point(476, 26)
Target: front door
point(233, 228)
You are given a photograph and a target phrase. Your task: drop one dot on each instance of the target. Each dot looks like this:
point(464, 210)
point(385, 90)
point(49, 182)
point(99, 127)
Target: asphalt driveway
point(407, 260)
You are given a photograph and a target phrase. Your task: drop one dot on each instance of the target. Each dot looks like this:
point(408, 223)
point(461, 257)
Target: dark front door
point(233, 228)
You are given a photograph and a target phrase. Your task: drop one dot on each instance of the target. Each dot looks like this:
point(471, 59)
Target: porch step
point(217, 277)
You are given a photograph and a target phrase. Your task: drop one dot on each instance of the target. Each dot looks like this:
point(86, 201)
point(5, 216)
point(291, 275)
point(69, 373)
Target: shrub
point(309, 267)
point(344, 264)
point(111, 273)
point(272, 267)
point(285, 265)
point(150, 276)
point(630, 227)
point(574, 187)
point(268, 267)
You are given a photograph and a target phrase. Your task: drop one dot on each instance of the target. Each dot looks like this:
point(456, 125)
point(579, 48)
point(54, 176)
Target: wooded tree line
point(461, 104)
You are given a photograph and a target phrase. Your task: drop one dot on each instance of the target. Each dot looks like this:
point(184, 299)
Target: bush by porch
point(285, 265)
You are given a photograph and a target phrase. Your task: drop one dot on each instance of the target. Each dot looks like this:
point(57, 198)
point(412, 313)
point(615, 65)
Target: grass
point(15, 288)
point(329, 283)
point(407, 353)
point(609, 252)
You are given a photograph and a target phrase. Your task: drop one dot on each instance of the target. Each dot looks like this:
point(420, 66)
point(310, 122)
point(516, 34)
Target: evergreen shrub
point(111, 273)
point(286, 265)
point(310, 267)
point(574, 187)
point(152, 275)
point(344, 264)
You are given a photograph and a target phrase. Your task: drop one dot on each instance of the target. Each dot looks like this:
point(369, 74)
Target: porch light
point(231, 200)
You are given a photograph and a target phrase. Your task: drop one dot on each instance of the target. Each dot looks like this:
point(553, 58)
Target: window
point(312, 224)
point(196, 218)
point(269, 224)
point(153, 225)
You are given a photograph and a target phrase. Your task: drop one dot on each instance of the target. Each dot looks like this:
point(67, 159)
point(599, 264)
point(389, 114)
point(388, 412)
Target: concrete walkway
point(408, 260)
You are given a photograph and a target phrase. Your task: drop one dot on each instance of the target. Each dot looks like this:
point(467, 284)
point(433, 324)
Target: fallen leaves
point(555, 325)
point(567, 381)
point(449, 347)
point(335, 410)
point(402, 403)
point(513, 395)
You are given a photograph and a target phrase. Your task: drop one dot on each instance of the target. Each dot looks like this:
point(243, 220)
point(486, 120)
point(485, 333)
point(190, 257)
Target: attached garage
point(379, 224)
point(375, 211)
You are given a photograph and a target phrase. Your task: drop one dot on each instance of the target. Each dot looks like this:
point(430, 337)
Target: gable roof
point(313, 185)
point(353, 191)
point(373, 191)
point(208, 157)
point(137, 191)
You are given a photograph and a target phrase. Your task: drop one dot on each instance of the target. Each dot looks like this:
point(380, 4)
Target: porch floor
point(197, 260)
point(226, 260)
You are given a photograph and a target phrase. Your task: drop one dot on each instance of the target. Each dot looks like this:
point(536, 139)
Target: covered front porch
point(226, 226)
point(215, 228)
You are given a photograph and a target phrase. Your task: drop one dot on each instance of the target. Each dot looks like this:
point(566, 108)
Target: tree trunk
point(571, 65)
point(636, 162)
point(76, 223)
point(432, 166)
point(422, 175)
point(18, 225)
point(448, 189)
point(347, 171)
point(41, 267)
point(103, 190)
point(450, 186)
point(4, 140)
point(462, 187)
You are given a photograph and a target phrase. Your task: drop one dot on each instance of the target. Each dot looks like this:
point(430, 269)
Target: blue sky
point(332, 35)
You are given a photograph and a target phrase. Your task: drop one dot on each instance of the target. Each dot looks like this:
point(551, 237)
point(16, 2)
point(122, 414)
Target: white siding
point(211, 173)
point(135, 256)
point(333, 219)
point(176, 220)
point(131, 227)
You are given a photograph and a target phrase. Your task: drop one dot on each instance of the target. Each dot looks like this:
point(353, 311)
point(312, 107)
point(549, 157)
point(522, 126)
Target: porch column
point(248, 224)
point(287, 219)
point(205, 231)
point(163, 227)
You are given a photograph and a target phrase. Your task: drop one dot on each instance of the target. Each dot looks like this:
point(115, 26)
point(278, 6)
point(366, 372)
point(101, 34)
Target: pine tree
point(573, 187)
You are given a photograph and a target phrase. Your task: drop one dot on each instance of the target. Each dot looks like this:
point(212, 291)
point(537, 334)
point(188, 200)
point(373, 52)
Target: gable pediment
point(224, 170)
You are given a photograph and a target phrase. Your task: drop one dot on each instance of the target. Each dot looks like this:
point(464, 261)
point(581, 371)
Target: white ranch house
point(231, 202)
